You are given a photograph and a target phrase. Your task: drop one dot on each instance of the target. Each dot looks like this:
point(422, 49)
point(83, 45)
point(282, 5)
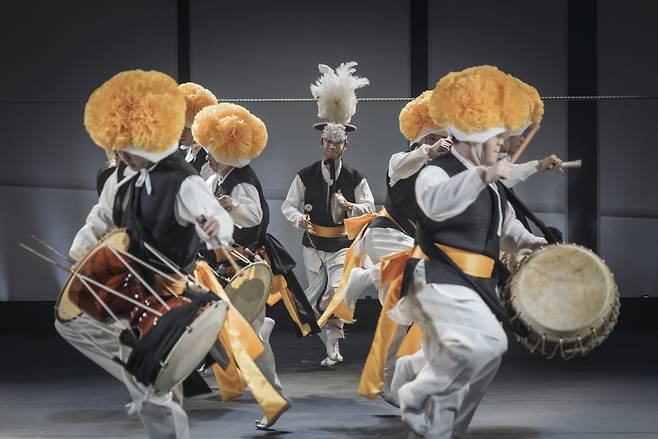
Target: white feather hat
point(335, 92)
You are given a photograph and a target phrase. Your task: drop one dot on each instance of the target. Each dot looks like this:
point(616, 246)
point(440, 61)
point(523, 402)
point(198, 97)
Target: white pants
point(265, 362)
point(378, 243)
point(162, 417)
point(463, 343)
point(333, 262)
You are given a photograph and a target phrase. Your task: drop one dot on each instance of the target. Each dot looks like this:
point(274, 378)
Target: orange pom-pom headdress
point(196, 98)
point(230, 133)
point(415, 119)
point(481, 102)
point(138, 112)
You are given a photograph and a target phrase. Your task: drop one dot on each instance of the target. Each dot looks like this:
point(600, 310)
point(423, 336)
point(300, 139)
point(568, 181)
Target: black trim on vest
point(250, 237)
point(151, 217)
point(317, 194)
point(475, 229)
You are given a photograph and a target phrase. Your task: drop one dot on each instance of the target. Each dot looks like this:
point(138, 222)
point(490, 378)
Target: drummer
point(463, 221)
point(232, 137)
point(160, 199)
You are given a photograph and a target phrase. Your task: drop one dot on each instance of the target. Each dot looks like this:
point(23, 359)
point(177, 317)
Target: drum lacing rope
point(580, 343)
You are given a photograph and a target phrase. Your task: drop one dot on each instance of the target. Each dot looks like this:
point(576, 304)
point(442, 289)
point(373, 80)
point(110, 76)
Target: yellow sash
point(392, 270)
point(245, 346)
point(327, 232)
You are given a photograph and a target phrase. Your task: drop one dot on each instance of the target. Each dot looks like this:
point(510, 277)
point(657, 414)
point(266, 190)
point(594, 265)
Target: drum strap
point(490, 298)
point(552, 235)
point(144, 360)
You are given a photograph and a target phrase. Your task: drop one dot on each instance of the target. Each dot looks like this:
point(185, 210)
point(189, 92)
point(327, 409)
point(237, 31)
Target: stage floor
point(49, 390)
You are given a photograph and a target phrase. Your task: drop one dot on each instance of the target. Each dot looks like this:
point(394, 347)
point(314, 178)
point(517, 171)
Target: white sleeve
point(515, 236)
point(195, 199)
point(441, 197)
point(364, 201)
point(521, 173)
point(247, 212)
point(99, 222)
point(294, 201)
point(405, 164)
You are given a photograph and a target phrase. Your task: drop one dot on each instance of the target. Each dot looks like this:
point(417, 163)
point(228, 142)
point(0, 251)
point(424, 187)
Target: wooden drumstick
point(227, 254)
point(525, 143)
point(229, 258)
point(572, 164)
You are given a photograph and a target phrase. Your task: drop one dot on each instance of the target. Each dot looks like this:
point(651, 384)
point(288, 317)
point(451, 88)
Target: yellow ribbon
point(372, 376)
point(355, 225)
point(281, 291)
point(241, 338)
point(411, 342)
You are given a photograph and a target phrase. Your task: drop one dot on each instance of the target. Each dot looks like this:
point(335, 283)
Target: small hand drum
point(249, 288)
point(566, 296)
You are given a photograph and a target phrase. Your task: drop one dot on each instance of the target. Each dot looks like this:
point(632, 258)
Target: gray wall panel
point(53, 215)
point(525, 39)
point(628, 155)
point(54, 147)
point(629, 247)
point(275, 52)
point(627, 36)
point(62, 51)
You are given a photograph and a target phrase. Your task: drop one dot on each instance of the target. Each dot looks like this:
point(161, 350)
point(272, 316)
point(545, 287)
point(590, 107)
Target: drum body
point(185, 350)
point(104, 267)
point(566, 296)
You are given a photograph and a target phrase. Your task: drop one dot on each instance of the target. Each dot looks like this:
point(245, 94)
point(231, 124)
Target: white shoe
point(359, 279)
point(333, 350)
point(328, 362)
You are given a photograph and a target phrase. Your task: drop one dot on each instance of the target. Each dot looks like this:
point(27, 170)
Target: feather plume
point(335, 92)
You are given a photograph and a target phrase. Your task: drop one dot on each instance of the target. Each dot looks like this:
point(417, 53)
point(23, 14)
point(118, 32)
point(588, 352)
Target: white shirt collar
point(462, 159)
point(325, 171)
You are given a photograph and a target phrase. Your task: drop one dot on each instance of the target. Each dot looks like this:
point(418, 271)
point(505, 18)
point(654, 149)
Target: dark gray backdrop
point(56, 53)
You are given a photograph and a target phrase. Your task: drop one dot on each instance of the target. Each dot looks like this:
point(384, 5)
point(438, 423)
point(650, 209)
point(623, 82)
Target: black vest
point(151, 218)
point(251, 237)
point(317, 194)
point(400, 203)
point(474, 230)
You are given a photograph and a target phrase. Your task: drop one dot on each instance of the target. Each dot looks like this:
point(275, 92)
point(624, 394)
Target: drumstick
point(202, 220)
point(52, 249)
point(240, 256)
point(572, 164)
point(525, 143)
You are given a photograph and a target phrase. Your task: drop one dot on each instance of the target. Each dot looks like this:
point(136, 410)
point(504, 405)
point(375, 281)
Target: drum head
point(191, 348)
point(564, 291)
point(249, 288)
point(65, 309)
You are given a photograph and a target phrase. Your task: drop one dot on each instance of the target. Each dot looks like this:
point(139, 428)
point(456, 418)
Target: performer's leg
point(266, 363)
point(100, 346)
point(359, 279)
point(391, 364)
point(312, 263)
point(406, 370)
point(333, 329)
point(477, 389)
point(160, 415)
point(461, 338)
